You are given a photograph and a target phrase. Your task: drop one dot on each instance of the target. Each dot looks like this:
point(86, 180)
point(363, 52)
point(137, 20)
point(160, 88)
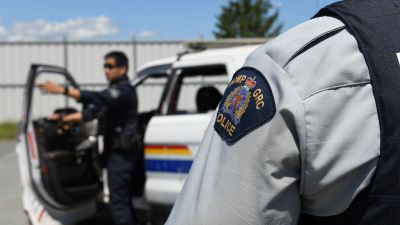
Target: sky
point(23, 20)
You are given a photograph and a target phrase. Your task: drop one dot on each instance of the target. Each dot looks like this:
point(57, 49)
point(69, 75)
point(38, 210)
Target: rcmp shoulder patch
point(247, 104)
point(114, 93)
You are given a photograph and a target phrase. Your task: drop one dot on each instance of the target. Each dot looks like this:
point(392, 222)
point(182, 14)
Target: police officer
point(308, 130)
point(116, 107)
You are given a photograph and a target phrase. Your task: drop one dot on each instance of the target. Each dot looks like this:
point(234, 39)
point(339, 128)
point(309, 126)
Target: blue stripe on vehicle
point(172, 166)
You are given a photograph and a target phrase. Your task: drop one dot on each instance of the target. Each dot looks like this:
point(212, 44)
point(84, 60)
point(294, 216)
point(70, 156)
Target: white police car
point(59, 163)
point(195, 84)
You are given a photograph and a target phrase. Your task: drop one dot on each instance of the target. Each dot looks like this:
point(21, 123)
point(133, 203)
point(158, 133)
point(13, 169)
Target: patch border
point(232, 140)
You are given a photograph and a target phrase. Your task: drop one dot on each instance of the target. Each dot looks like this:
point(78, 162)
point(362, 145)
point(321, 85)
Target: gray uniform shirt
point(315, 155)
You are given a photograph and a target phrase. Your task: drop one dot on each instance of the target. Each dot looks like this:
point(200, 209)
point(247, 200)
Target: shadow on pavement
point(157, 216)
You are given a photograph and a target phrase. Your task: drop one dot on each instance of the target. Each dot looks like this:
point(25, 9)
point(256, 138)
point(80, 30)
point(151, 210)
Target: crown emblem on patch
point(238, 100)
point(250, 82)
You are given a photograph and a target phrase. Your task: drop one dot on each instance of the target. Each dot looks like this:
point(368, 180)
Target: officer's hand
point(51, 88)
point(55, 116)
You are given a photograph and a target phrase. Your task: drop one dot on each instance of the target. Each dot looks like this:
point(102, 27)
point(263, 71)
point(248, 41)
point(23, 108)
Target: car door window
point(198, 89)
point(43, 104)
point(150, 93)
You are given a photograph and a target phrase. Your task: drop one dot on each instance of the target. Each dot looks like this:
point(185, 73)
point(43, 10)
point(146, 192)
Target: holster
point(125, 138)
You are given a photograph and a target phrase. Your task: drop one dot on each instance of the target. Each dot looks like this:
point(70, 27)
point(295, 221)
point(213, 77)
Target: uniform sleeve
point(87, 97)
point(94, 104)
point(97, 102)
point(115, 96)
point(248, 167)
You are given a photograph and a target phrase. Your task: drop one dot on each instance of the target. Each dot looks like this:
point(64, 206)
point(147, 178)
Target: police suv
point(59, 162)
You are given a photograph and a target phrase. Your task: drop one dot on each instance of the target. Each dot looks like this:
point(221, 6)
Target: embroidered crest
point(247, 103)
point(238, 100)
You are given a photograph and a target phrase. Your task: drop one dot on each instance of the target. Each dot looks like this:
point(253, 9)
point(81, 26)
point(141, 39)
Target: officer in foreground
point(308, 131)
point(116, 107)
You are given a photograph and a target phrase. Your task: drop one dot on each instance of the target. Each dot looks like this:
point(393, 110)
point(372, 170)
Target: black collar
point(119, 80)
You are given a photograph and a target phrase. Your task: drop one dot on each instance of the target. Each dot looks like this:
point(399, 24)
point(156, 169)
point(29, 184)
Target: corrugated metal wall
point(83, 59)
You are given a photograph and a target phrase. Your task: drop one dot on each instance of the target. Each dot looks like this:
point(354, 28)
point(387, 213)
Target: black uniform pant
point(120, 166)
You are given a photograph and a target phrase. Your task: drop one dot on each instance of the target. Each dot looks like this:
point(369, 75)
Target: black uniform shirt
point(117, 105)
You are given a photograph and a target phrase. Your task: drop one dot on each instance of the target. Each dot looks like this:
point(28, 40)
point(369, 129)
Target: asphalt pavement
point(11, 212)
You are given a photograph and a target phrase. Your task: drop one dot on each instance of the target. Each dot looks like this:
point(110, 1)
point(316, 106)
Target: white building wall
point(84, 61)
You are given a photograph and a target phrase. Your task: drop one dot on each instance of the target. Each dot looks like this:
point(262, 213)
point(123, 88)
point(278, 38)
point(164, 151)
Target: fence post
point(134, 60)
point(65, 51)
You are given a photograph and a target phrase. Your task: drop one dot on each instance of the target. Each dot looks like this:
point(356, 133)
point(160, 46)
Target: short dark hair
point(120, 58)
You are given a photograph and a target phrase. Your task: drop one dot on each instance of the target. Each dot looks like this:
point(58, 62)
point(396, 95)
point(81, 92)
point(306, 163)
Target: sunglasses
point(109, 66)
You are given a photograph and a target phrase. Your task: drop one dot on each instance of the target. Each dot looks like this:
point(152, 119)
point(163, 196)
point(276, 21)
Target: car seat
point(207, 98)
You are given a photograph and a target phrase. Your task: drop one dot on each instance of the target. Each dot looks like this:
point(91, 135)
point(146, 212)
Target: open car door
point(58, 161)
point(152, 84)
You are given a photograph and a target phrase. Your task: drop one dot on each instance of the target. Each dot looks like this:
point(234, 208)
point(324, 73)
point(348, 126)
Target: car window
point(150, 93)
point(198, 90)
point(44, 104)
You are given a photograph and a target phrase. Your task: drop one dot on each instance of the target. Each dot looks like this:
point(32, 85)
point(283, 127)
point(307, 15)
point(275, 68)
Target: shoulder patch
point(247, 104)
point(114, 93)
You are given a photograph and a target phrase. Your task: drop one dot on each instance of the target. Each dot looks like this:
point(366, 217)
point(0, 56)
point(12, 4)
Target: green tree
point(248, 18)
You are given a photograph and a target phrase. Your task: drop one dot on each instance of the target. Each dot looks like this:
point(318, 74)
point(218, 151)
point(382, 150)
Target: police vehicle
point(61, 176)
